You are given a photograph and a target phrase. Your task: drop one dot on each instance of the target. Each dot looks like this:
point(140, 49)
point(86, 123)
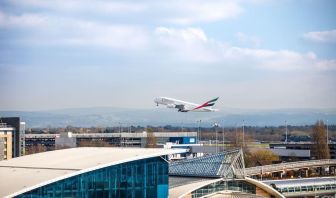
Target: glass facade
point(233, 185)
point(135, 179)
point(308, 188)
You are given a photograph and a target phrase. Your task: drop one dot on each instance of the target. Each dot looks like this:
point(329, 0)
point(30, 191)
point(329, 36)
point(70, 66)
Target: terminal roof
point(31, 171)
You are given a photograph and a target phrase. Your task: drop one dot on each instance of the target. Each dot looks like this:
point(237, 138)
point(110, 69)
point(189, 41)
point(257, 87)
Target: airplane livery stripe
point(203, 105)
point(207, 104)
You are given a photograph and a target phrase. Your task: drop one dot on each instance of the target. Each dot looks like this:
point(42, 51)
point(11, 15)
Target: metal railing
point(288, 166)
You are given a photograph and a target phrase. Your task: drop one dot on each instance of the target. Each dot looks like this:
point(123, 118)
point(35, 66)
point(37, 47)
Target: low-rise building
point(299, 150)
point(124, 139)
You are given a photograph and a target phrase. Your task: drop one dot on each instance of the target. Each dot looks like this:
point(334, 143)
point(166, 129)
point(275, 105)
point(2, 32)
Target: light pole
point(120, 142)
point(243, 134)
point(237, 138)
point(216, 132)
point(327, 134)
point(286, 132)
point(223, 137)
point(199, 131)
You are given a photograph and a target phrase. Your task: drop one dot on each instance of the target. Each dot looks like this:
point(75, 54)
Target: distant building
point(18, 134)
point(6, 134)
point(65, 140)
point(124, 139)
point(301, 151)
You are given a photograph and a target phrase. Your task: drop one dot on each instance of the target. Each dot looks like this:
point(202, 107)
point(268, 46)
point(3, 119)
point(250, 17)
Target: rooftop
point(31, 171)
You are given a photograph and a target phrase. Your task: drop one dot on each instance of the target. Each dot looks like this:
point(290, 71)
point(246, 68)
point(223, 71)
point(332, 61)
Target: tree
point(151, 139)
point(320, 148)
point(93, 143)
point(36, 148)
point(260, 157)
point(240, 139)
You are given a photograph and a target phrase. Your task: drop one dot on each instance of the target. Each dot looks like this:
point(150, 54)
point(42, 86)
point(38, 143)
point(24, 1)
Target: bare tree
point(320, 148)
point(240, 139)
point(260, 157)
point(94, 143)
point(36, 148)
point(151, 139)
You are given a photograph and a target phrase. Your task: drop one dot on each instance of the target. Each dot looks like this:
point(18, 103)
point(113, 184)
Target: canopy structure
point(229, 164)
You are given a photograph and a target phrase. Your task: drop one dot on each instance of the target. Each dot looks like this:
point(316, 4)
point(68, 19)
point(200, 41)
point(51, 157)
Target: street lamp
point(216, 126)
point(223, 137)
point(327, 134)
point(199, 131)
point(243, 134)
point(286, 132)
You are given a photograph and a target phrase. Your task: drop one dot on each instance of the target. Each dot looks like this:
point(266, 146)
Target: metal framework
point(228, 164)
point(289, 166)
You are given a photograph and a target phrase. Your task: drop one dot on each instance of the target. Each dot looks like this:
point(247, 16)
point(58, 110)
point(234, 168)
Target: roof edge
point(265, 187)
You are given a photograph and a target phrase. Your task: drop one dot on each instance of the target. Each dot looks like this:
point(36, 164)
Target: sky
point(253, 54)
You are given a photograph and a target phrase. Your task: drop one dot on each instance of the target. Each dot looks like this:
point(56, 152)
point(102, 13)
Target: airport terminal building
point(128, 172)
point(88, 172)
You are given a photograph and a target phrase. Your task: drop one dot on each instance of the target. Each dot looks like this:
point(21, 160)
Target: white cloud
point(192, 44)
point(180, 12)
point(23, 20)
point(248, 39)
point(322, 36)
point(327, 65)
point(188, 12)
point(188, 34)
point(104, 35)
point(189, 44)
point(43, 30)
point(83, 6)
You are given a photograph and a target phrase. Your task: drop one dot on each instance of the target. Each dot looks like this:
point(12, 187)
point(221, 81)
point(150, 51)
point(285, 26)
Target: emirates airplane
point(184, 106)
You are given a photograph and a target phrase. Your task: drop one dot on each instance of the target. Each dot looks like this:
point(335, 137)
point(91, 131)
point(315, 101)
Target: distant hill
point(110, 116)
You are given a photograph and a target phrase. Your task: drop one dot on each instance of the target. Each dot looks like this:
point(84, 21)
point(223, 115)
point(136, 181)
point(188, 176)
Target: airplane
point(184, 106)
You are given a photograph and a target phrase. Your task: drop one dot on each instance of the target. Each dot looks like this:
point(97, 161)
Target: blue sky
point(253, 54)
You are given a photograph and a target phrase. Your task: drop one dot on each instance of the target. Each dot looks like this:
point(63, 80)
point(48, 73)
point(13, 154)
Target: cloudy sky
point(258, 54)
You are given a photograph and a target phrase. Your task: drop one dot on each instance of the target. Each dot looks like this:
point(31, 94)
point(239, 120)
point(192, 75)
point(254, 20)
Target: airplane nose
point(157, 101)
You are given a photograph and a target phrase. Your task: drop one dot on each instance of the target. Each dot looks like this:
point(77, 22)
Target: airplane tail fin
point(210, 103)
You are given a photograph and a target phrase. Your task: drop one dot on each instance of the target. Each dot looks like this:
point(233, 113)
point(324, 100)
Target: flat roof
point(25, 173)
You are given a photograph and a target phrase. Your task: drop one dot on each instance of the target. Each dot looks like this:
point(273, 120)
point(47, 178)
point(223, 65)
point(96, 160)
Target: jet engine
point(170, 106)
